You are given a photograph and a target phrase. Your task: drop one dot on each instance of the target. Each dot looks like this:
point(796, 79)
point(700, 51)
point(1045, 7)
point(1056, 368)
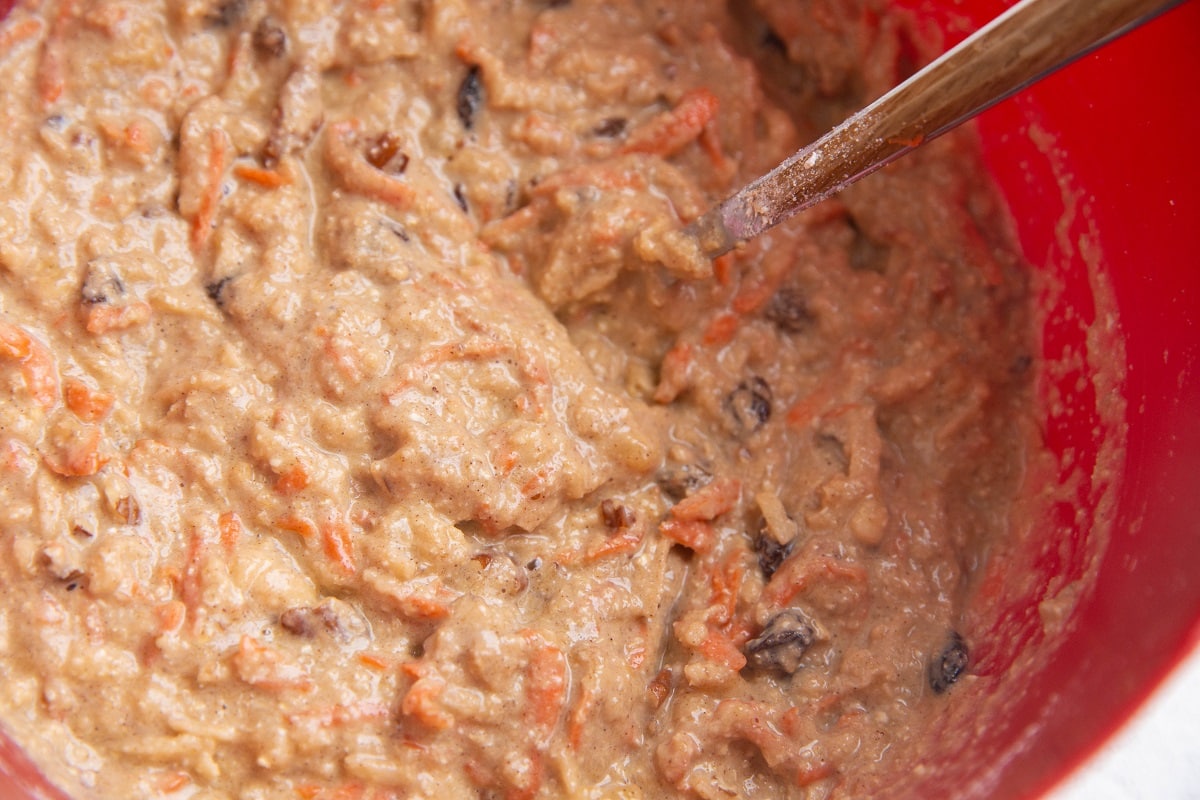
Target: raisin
point(227, 13)
point(299, 621)
point(460, 197)
point(101, 283)
point(215, 289)
point(771, 554)
point(470, 97)
point(307, 621)
point(749, 405)
point(616, 515)
point(866, 254)
point(610, 127)
point(269, 38)
point(385, 154)
point(789, 311)
point(949, 665)
point(782, 644)
point(680, 480)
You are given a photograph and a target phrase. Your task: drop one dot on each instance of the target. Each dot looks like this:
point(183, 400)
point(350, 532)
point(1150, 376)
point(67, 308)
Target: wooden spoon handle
point(1017, 48)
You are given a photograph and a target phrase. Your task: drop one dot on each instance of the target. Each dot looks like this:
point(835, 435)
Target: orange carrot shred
point(266, 178)
point(25, 29)
point(90, 405)
point(292, 480)
point(335, 540)
point(215, 168)
point(230, 526)
point(696, 535)
point(721, 330)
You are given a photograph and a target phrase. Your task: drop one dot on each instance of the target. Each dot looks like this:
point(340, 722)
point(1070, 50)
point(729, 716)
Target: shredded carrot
point(723, 269)
point(696, 535)
point(420, 703)
point(726, 583)
point(51, 78)
point(671, 131)
point(292, 480)
point(545, 688)
point(673, 373)
point(173, 782)
point(191, 579)
point(202, 223)
point(37, 364)
point(296, 524)
point(230, 526)
point(263, 667)
point(79, 457)
point(90, 405)
point(624, 541)
point(717, 647)
point(719, 497)
point(307, 791)
point(102, 318)
point(710, 143)
point(356, 174)
point(721, 330)
point(577, 723)
point(373, 662)
point(348, 791)
point(15, 344)
point(25, 29)
point(171, 615)
point(266, 178)
point(336, 542)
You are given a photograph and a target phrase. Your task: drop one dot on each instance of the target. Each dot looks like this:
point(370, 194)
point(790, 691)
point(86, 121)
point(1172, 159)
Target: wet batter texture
point(360, 439)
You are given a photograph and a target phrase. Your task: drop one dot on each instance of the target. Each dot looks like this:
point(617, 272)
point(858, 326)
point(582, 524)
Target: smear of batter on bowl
point(353, 445)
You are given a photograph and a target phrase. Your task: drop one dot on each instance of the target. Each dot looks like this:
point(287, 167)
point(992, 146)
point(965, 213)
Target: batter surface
point(355, 442)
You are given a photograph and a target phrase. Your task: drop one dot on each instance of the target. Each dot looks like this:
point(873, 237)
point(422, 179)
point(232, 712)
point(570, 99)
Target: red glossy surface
point(1120, 157)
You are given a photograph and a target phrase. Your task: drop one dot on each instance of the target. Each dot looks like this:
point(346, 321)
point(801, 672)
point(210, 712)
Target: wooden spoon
point(1017, 48)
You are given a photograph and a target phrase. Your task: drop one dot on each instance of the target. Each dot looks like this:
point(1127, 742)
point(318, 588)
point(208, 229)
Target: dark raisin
point(101, 284)
point(385, 154)
point(470, 97)
point(460, 197)
point(270, 40)
point(771, 554)
point(782, 644)
point(226, 13)
point(749, 405)
point(773, 41)
point(215, 289)
point(949, 665)
point(610, 127)
point(680, 480)
point(865, 253)
point(534, 563)
point(616, 515)
point(299, 621)
point(789, 311)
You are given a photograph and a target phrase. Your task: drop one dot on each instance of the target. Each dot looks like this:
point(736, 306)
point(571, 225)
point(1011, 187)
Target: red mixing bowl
point(1099, 166)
